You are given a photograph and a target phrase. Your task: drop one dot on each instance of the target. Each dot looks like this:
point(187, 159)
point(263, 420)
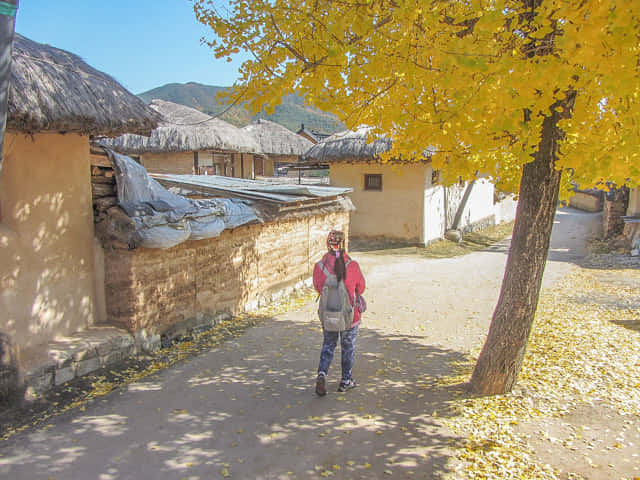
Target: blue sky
point(141, 43)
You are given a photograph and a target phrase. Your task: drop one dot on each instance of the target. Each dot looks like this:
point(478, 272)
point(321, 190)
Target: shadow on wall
point(247, 409)
point(46, 239)
point(47, 278)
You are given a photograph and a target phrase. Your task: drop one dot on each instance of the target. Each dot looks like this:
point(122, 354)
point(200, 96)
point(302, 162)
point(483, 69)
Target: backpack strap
point(324, 269)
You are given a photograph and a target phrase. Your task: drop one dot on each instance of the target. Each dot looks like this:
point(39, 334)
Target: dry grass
point(471, 242)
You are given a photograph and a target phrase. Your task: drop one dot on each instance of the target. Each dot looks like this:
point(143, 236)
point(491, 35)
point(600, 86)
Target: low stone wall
point(154, 290)
point(589, 201)
point(480, 224)
point(83, 353)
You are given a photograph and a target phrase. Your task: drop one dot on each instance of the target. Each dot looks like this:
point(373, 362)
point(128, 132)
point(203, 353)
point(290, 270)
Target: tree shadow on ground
point(609, 261)
point(630, 324)
point(248, 410)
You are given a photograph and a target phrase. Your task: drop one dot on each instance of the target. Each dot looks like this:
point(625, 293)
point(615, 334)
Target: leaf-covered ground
point(575, 412)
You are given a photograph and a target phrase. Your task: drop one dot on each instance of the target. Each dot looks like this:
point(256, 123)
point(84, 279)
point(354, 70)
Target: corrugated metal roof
point(230, 186)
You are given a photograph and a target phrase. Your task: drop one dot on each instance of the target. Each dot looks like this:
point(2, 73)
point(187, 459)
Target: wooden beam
point(100, 161)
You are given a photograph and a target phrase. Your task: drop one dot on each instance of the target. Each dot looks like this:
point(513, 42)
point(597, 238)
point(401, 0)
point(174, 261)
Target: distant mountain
point(291, 113)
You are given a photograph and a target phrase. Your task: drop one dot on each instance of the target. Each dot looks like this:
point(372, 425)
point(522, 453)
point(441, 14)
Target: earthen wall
point(153, 289)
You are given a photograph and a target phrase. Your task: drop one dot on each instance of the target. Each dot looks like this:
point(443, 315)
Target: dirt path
point(248, 411)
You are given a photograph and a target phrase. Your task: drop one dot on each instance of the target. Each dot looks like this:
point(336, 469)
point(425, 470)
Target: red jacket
point(353, 279)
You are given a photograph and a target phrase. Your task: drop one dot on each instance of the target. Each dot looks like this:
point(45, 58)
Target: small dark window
point(373, 182)
point(435, 177)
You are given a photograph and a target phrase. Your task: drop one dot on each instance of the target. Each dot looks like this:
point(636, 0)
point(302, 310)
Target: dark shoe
point(344, 386)
point(321, 385)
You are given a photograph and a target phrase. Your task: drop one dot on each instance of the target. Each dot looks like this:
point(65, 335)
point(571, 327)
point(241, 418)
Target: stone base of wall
point(481, 224)
point(81, 354)
point(11, 385)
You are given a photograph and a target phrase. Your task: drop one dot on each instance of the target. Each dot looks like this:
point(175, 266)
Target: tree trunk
point(463, 204)
point(501, 358)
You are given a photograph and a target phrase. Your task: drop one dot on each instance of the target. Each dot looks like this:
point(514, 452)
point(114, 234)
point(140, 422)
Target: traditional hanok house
point(48, 285)
point(278, 144)
point(188, 141)
point(403, 200)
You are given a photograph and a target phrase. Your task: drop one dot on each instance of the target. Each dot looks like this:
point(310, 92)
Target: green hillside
point(291, 113)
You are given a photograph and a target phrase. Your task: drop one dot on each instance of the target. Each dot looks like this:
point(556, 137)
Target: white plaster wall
point(480, 204)
point(434, 213)
point(505, 209)
point(634, 202)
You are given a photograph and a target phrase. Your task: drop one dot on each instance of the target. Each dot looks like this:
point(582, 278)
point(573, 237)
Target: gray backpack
point(335, 310)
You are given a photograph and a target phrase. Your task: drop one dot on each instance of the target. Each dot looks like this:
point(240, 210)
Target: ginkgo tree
point(531, 93)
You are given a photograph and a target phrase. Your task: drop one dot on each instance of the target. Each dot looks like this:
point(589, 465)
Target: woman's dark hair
point(335, 245)
point(340, 268)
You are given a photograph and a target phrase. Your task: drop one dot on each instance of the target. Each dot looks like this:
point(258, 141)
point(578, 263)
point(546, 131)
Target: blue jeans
point(348, 346)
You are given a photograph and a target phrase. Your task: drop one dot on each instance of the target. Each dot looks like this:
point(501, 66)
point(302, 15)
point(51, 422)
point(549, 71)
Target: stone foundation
point(80, 354)
point(10, 379)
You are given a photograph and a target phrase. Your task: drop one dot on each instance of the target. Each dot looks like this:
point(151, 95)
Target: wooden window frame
point(373, 182)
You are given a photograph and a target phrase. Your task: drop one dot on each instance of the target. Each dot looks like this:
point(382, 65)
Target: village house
point(278, 144)
point(56, 102)
point(188, 141)
point(404, 200)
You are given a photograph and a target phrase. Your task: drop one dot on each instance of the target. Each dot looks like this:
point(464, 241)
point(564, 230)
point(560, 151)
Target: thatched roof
point(185, 129)
point(274, 139)
point(348, 146)
point(54, 90)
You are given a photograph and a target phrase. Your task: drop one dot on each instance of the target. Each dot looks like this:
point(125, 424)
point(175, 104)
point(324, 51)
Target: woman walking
point(337, 262)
